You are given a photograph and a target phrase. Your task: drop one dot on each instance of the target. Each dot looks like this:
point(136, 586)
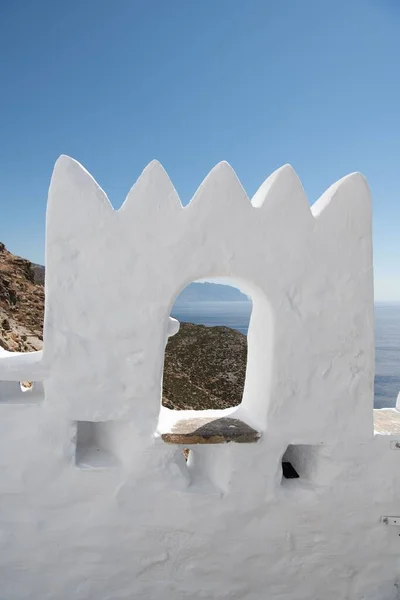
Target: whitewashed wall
point(93, 505)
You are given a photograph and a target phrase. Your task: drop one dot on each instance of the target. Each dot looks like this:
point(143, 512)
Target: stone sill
point(210, 431)
point(191, 427)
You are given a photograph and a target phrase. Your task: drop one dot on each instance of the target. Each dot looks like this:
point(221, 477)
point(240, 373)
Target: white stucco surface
point(93, 504)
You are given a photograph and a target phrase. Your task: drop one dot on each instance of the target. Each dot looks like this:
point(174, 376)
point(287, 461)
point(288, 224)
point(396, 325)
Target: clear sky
point(258, 83)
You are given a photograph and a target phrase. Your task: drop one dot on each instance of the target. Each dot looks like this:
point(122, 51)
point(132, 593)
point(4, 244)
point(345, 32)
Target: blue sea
point(387, 338)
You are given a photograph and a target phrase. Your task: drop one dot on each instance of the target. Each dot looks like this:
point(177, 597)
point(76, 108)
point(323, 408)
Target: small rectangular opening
point(301, 462)
point(95, 445)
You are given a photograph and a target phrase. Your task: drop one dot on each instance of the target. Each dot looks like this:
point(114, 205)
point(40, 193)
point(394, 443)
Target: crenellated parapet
point(96, 498)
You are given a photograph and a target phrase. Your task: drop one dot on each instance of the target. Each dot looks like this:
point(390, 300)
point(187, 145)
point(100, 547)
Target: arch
point(253, 408)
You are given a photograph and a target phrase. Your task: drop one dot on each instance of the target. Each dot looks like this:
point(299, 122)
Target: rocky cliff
point(21, 304)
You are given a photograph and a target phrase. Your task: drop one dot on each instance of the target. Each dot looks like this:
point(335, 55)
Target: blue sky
point(258, 83)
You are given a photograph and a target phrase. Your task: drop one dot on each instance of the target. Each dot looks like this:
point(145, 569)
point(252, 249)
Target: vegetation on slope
point(204, 367)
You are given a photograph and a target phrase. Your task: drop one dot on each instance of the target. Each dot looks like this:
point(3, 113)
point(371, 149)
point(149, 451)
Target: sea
point(387, 337)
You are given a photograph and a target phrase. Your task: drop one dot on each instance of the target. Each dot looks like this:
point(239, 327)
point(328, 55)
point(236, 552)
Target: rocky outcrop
point(38, 273)
point(21, 304)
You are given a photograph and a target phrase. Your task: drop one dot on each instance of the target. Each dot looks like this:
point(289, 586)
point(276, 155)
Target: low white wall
point(93, 505)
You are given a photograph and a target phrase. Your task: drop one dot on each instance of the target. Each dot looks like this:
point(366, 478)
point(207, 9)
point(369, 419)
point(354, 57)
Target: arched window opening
point(205, 362)
point(218, 367)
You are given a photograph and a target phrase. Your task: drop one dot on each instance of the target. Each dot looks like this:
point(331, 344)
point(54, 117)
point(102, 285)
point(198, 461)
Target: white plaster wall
point(124, 517)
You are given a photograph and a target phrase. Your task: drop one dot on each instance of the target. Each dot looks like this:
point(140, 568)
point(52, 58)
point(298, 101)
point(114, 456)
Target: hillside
point(204, 367)
point(38, 273)
point(21, 304)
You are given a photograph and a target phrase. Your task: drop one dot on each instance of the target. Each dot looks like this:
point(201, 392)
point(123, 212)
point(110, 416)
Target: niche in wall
point(96, 444)
point(299, 462)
